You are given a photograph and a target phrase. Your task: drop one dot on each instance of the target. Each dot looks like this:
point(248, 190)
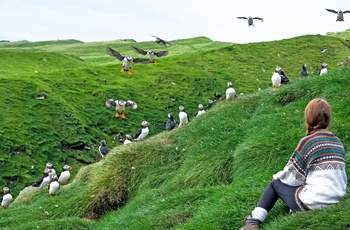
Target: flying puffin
point(65, 174)
point(340, 16)
point(183, 116)
point(150, 54)
point(161, 41)
point(102, 149)
point(250, 20)
point(128, 139)
point(200, 110)
point(120, 106)
point(276, 78)
point(230, 92)
point(7, 198)
point(171, 123)
point(127, 60)
point(143, 132)
point(54, 186)
point(324, 69)
point(303, 72)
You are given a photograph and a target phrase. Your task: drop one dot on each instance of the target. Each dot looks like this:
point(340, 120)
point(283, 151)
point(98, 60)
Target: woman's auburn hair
point(317, 115)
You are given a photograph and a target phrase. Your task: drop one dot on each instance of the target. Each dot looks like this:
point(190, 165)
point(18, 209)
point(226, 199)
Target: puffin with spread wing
point(127, 60)
point(161, 41)
point(251, 20)
point(340, 16)
point(120, 106)
point(150, 54)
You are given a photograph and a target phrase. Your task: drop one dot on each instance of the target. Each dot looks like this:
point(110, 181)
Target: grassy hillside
point(207, 175)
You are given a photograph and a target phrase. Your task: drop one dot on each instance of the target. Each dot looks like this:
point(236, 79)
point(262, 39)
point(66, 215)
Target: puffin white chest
point(230, 93)
point(144, 133)
point(64, 177)
point(6, 200)
point(54, 187)
point(127, 63)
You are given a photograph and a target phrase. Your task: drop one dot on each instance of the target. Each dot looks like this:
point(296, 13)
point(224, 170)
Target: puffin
point(171, 123)
point(340, 16)
point(120, 106)
point(45, 174)
point(150, 54)
point(200, 110)
point(143, 132)
point(127, 60)
point(323, 69)
point(128, 139)
point(183, 116)
point(102, 149)
point(161, 41)
point(303, 72)
point(250, 20)
point(46, 181)
point(284, 78)
point(54, 186)
point(65, 174)
point(276, 78)
point(7, 198)
point(230, 92)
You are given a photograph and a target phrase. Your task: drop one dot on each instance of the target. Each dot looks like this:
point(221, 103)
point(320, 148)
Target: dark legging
point(276, 189)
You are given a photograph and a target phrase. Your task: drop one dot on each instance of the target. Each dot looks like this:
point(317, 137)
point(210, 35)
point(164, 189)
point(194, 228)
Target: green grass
point(206, 175)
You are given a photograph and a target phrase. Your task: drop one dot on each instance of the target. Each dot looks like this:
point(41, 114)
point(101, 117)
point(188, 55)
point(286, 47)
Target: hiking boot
point(251, 223)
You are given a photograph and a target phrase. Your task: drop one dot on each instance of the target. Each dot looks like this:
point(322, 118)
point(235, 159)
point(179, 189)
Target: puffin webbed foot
point(122, 70)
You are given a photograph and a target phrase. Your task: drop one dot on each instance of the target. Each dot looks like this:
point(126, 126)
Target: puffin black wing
point(242, 17)
point(259, 18)
point(131, 104)
point(141, 60)
point(170, 125)
point(333, 11)
point(346, 11)
point(138, 50)
point(110, 103)
point(161, 53)
point(114, 53)
point(137, 134)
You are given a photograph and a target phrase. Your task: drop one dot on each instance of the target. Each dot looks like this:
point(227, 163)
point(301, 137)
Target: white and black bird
point(128, 139)
point(230, 92)
point(171, 123)
point(46, 181)
point(161, 41)
point(54, 186)
point(323, 69)
point(183, 118)
point(340, 14)
point(127, 60)
point(276, 78)
point(150, 54)
point(143, 132)
point(7, 198)
point(64, 176)
point(200, 110)
point(251, 20)
point(120, 106)
point(102, 149)
point(304, 72)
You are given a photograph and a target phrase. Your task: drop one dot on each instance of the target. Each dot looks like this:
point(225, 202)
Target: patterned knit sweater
point(317, 166)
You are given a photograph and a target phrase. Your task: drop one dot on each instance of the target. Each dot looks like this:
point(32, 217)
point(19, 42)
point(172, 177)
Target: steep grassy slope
point(77, 78)
point(206, 175)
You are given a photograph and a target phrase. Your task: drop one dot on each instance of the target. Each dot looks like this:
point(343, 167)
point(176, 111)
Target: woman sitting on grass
point(314, 176)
